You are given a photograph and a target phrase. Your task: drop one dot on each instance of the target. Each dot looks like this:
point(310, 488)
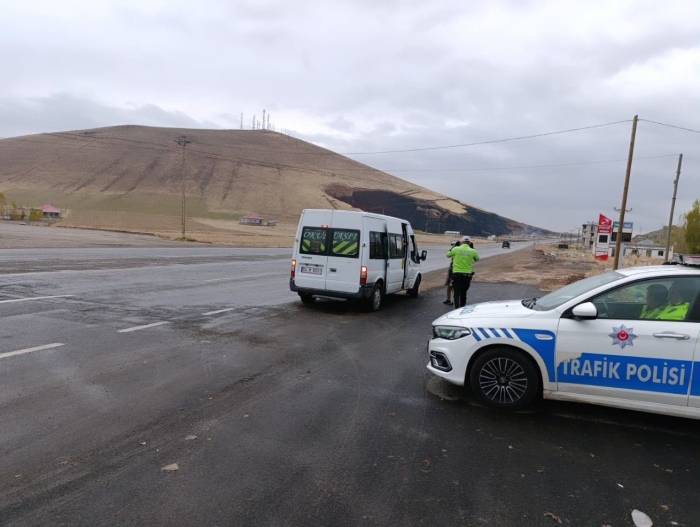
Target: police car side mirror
point(585, 311)
point(423, 255)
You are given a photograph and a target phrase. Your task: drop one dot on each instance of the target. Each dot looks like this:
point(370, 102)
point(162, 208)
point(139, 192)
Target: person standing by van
point(448, 283)
point(470, 243)
point(463, 259)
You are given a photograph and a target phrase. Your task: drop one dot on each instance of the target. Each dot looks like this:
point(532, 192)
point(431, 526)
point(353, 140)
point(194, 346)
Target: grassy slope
point(130, 177)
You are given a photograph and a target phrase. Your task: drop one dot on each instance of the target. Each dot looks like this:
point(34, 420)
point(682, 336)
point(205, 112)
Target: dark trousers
point(461, 283)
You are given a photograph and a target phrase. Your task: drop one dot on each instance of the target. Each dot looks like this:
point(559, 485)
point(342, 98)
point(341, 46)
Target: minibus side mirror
point(423, 255)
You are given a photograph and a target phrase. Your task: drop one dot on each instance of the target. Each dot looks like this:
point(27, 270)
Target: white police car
point(624, 338)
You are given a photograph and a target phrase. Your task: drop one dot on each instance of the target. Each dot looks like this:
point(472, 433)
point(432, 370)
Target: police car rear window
point(314, 240)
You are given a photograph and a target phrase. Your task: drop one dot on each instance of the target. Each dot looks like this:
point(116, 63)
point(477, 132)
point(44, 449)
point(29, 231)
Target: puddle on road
point(443, 389)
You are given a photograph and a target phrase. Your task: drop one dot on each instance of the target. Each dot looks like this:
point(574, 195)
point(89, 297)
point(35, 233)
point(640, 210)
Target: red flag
point(604, 224)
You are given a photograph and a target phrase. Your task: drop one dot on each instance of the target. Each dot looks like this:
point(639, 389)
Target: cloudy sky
point(372, 75)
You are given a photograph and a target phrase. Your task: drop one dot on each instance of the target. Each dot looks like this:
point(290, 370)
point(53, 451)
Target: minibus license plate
point(309, 269)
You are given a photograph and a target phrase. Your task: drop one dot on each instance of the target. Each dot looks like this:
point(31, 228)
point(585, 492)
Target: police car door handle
point(671, 335)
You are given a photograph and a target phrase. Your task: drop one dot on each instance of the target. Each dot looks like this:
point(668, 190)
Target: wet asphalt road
point(281, 414)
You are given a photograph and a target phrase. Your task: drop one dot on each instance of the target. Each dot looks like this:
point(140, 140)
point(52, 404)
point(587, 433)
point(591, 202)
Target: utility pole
point(263, 121)
point(623, 206)
point(241, 120)
point(673, 206)
point(183, 142)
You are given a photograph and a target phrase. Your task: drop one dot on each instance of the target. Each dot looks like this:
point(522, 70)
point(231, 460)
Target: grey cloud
point(341, 124)
point(382, 76)
point(57, 112)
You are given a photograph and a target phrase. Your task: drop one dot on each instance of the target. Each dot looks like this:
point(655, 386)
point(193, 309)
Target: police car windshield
point(566, 293)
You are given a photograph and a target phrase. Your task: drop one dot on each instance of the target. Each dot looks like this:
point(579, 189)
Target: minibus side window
point(397, 249)
point(314, 240)
point(377, 245)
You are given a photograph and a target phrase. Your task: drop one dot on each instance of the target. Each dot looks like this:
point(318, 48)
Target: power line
point(406, 150)
point(490, 141)
point(520, 167)
point(161, 146)
point(416, 149)
point(166, 148)
point(669, 125)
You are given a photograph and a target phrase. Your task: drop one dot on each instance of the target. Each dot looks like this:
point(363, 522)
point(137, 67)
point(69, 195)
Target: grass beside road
point(543, 267)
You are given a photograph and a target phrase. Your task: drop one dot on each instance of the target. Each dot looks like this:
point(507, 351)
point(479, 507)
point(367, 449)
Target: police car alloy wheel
point(504, 378)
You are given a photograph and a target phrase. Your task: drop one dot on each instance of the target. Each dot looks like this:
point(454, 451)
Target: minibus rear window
point(314, 240)
point(346, 243)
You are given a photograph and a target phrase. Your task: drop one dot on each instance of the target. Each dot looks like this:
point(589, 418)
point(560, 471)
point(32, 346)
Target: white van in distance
point(354, 255)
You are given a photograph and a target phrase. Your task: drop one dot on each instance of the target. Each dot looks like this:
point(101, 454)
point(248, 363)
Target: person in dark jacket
point(448, 282)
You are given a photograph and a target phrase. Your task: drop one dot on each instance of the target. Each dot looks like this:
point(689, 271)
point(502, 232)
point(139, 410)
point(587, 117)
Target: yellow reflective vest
point(463, 258)
point(674, 312)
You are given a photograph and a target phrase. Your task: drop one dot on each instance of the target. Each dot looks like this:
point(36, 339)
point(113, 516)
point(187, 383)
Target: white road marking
point(242, 277)
point(146, 326)
point(218, 311)
point(29, 350)
point(33, 298)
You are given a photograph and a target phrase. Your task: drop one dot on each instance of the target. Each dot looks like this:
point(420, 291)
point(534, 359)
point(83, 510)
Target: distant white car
point(624, 338)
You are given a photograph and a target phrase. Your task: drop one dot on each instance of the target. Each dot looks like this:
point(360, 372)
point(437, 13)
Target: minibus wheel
point(374, 302)
point(413, 292)
point(306, 298)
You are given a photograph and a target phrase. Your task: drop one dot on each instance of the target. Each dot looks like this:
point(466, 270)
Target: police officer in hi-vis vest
point(463, 259)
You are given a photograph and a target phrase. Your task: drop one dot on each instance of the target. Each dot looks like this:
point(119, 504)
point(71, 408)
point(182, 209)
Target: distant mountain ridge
point(138, 172)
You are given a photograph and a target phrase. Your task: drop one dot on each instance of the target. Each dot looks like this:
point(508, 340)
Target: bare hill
point(130, 177)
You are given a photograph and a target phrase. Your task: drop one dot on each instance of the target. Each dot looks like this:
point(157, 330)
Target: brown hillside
point(130, 177)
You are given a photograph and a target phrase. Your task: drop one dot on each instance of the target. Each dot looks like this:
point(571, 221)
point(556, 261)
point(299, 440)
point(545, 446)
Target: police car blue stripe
point(544, 348)
point(627, 372)
point(695, 384)
point(614, 371)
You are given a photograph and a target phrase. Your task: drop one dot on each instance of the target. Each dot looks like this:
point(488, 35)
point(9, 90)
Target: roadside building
point(50, 212)
point(646, 249)
point(589, 230)
point(626, 237)
point(601, 237)
point(604, 236)
point(256, 219)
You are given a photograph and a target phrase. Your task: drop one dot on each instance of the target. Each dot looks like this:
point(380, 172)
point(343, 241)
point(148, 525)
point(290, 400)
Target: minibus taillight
point(294, 268)
point(363, 275)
